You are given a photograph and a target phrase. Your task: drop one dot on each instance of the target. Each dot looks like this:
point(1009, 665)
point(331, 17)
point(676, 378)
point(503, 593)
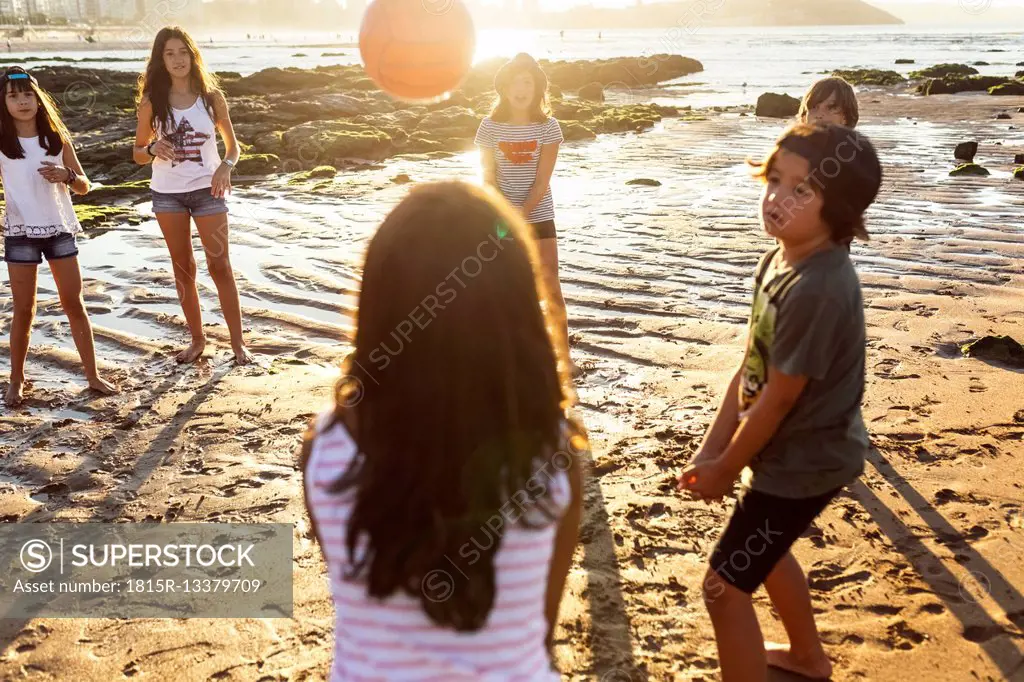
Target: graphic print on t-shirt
point(518, 153)
point(755, 364)
point(187, 143)
point(771, 288)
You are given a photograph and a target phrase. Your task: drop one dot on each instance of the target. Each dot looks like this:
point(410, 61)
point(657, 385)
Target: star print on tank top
point(188, 143)
point(192, 134)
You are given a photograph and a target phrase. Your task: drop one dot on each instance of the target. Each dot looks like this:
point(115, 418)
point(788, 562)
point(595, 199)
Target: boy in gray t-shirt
point(790, 421)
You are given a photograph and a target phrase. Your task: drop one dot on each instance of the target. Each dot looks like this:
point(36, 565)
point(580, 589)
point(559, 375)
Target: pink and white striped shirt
point(393, 639)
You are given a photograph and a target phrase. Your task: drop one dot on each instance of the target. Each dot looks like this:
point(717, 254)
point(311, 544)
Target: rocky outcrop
point(968, 169)
point(773, 105)
point(1012, 88)
point(318, 143)
point(945, 70)
point(290, 119)
point(965, 151)
point(258, 164)
point(869, 76)
point(1001, 349)
point(571, 130)
point(592, 92)
point(116, 193)
point(955, 84)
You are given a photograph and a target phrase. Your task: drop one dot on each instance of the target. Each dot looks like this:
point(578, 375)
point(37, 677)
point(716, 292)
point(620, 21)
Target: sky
point(1002, 13)
point(952, 3)
point(951, 12)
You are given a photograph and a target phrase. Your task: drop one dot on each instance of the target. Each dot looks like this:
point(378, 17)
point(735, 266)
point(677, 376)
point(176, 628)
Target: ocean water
point(739, 64)
point(633, 256)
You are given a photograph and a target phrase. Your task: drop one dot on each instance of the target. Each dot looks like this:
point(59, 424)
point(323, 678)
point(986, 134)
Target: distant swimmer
point(561, 34)
point(598, 35)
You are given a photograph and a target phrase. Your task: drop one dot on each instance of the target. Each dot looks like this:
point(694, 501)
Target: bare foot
point(100, 384)
point(191, 353)
point(14, 394)
point(243, 356)
point(815, 668)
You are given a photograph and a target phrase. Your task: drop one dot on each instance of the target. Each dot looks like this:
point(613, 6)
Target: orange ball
point(417, 49)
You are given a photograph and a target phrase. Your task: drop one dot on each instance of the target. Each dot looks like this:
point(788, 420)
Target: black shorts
point(544, 229)
point(760, 531)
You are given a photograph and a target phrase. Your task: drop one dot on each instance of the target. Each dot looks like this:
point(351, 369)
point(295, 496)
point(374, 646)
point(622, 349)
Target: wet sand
point(915, 571)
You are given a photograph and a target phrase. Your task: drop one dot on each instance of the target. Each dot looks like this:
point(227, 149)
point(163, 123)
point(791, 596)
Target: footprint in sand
point(945, 496)
point(232, 489)
point(890, 369)
point(828, 577)
point(906, 437)
point(899, 635)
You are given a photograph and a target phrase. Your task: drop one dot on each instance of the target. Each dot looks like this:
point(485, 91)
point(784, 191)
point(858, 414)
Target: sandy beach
point(915, 571)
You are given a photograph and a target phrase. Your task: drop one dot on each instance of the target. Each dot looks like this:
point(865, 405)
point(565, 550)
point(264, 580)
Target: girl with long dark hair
point(444, 485)
point(180, 111)
point(39, 169)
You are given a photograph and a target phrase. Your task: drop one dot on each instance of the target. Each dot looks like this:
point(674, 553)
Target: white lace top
point(33, 206)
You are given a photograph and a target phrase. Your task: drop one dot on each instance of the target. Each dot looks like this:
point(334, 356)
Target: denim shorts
point(30, 250)
point(198, 203)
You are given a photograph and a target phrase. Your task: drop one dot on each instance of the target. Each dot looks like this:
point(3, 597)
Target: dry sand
point(916, 572)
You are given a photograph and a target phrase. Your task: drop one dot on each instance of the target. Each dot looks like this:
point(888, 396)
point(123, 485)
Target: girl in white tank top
point(194, 137)
point(181, 111)
point(38, 167)
point(444, 485)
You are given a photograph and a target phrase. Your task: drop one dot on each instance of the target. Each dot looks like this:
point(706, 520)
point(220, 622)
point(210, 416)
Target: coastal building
point(117, 11)
point(13, 11)
point(38, 8)
point(67, 11)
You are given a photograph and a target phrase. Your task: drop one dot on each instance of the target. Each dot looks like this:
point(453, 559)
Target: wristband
point(149, 148)
point(72, 176)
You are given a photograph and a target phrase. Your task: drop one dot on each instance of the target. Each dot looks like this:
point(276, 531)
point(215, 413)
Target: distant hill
point(991, 15)
point(801, 13)
point(691, 16)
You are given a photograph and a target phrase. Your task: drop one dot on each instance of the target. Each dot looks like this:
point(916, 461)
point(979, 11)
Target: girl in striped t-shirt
point(444, 484)
point(519, 144)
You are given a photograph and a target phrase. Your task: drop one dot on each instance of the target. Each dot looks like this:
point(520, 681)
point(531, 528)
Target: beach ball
point(417, 49)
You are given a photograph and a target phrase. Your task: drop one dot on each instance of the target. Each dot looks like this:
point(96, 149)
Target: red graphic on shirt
point(187, 144)
point(518, 153)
